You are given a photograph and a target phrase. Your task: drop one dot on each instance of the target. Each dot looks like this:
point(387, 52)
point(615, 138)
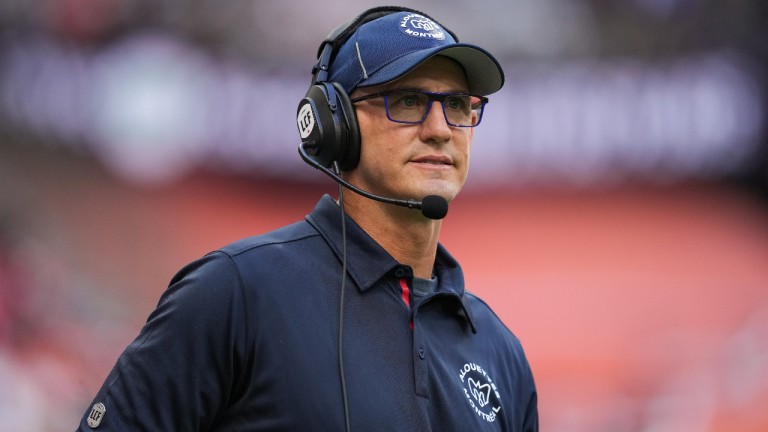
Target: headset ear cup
point(351, 155)
point(327, 134)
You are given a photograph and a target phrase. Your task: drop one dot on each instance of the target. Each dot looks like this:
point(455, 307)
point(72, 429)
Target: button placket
point(420, 360)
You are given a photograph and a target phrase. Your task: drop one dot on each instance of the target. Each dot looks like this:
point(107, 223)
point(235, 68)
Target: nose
point(435, 128)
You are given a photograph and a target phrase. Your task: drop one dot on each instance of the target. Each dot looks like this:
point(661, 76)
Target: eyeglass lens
point(411, 107)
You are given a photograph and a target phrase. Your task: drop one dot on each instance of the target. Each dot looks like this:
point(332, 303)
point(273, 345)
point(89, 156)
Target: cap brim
point(484, 73)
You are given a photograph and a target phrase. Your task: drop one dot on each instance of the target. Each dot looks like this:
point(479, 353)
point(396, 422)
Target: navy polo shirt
point(246, 339)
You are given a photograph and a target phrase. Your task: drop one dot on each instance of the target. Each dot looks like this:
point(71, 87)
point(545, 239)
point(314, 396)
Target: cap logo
point(419, 26)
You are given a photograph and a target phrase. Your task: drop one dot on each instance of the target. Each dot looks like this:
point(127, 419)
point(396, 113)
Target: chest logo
point(481, 391)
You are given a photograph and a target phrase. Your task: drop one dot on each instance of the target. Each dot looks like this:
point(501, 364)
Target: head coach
point(355, 318)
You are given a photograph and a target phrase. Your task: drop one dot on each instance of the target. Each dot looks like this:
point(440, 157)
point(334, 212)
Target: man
point(246, 338)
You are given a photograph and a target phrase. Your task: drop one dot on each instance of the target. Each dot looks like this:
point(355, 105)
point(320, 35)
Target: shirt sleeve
point(179, 373)
point(531, 418)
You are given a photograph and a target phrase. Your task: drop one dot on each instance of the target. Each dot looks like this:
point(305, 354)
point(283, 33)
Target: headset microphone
point(432, 206)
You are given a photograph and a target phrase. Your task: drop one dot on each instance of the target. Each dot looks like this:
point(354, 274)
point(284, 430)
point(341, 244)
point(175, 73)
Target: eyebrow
point(419, 88)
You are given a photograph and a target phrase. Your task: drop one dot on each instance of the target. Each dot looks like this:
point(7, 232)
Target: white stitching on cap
point(365, 74)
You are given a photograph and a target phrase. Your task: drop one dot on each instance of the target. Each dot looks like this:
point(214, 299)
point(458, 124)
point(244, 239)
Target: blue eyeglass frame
point(432, 97)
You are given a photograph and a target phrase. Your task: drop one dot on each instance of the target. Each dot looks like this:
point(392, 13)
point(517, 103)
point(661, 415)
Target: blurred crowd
point(597, 90)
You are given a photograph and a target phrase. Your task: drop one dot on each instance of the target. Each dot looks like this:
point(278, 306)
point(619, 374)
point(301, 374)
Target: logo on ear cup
point(305, 121)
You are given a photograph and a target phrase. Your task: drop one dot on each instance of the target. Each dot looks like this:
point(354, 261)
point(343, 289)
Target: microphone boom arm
point(411, 204)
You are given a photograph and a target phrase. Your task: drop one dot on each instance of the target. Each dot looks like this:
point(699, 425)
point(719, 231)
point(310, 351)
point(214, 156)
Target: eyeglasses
point(412, 106)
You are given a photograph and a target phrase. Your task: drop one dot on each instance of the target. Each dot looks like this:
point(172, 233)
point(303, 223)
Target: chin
point(447, 191)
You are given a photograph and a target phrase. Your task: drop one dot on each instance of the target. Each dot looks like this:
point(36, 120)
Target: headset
point(326, 118)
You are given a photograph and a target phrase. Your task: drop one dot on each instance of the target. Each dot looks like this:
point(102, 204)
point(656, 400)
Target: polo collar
point(451, 281)
point(448, 271)
point(367, 261)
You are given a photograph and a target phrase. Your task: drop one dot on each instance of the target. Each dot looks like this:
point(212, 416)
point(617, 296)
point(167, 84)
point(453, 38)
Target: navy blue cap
point(387, 48)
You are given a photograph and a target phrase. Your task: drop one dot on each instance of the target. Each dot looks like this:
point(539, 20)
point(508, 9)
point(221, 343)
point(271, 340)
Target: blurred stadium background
point(616, 214)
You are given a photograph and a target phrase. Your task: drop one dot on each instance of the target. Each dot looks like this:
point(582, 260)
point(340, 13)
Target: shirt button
point(399, 272)
point(421, 353)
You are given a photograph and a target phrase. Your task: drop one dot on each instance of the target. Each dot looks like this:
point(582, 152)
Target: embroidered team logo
point(421, 27)
point(481, 392)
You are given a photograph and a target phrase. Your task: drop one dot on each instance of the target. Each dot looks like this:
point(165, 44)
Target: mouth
point(434, 161)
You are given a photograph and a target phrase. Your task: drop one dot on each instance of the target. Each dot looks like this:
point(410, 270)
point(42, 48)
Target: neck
point(404, 233)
